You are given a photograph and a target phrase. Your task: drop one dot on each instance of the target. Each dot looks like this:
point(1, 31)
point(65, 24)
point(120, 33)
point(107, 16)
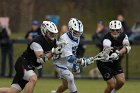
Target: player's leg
point(118, 75)
point(15, 87)
point(110, 85)
point(120, 80)
point(70, 80)
point(25, 76)
point(107, 73)
point(68, 76)
point(31, 77)
point(28, 81)
point(9, 90)
point(62, 87)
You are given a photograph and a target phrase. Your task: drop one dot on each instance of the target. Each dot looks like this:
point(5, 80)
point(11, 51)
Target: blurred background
point(20, 15)
point(22, 12)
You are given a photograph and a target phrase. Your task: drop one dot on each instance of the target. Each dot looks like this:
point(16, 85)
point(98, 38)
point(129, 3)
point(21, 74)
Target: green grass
point(84, 86)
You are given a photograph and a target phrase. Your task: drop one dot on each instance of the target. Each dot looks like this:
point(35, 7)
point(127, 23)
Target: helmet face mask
point(76, 34)
point(115, 33)
point(49, 29)
point(117, 30)
point(51, 35)
point(75, 27)
point(115, 27)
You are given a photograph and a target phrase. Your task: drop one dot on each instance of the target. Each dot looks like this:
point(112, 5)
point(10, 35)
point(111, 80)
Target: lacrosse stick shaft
point(100, 56)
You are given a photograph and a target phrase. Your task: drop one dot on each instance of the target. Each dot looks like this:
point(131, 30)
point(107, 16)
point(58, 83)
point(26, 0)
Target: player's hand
point(85, 61)
point(57, 50)
point(42, 59)
point(76, 68)
point(115, 56)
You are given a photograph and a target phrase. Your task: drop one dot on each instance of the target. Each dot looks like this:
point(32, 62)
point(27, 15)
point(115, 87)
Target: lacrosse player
point(37, 53)
point(118, 44)
point(65, 63)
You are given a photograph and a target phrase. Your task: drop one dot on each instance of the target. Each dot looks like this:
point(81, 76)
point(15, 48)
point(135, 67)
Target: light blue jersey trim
point(72, 59)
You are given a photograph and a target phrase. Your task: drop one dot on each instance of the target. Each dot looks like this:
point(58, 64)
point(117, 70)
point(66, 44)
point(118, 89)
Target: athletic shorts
point(109, 69)
point(23, 71)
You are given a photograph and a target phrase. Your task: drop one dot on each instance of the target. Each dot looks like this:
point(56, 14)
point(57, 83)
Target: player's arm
point(106, 43)
point(79, 63)
point(40, 55)
point(116, 54)
point(76, 67)
point(126, 46)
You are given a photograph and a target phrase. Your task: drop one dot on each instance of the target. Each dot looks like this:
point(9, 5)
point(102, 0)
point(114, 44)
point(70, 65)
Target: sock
point(113, 91)
point(53, 91)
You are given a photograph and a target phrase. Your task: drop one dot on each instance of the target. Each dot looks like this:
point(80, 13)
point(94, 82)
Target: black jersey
point(46, 45)
point(116, 43)
point(110, 69)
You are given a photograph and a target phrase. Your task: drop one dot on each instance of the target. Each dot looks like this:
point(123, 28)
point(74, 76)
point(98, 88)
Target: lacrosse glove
point(56, 52)
point(115, 55)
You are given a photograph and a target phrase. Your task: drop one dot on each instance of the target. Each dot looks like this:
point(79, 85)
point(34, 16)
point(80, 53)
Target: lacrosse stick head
point(103, 55)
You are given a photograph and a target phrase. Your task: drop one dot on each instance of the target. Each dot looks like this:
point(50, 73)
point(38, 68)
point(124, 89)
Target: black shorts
point(109, 69)
point(20, 66)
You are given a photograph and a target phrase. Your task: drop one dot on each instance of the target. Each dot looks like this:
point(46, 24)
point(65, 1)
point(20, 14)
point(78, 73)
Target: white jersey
point(67, 50)
point(70, 47)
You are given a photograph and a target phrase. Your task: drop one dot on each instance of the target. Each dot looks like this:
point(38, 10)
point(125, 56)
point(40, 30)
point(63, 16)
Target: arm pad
point(128, 48)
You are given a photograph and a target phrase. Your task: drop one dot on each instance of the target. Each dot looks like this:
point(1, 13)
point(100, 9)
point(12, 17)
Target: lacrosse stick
point(103, 56)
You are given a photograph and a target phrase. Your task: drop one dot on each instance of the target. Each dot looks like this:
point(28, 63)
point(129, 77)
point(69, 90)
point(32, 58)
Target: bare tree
point(26, 11)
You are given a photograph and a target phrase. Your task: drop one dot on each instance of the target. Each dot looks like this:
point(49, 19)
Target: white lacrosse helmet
point(49, 28)
point(115, 24)
point(75, 27)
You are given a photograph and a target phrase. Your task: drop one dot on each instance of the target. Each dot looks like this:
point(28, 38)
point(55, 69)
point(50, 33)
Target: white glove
point(114, 56)
point(85, 61)
point(57, 50)
point(42, 59)
point(76, 68)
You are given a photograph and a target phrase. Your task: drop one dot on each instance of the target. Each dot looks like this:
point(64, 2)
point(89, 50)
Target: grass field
point(84, 86)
